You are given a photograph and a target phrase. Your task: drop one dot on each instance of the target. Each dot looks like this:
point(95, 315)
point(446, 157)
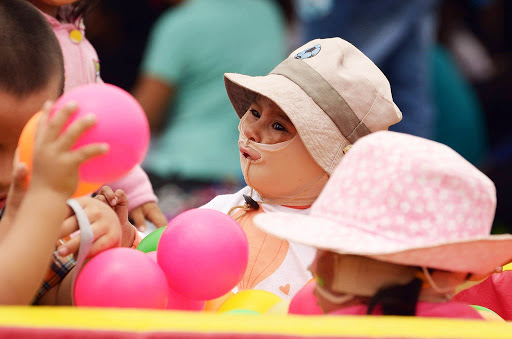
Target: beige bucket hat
point(331, 92)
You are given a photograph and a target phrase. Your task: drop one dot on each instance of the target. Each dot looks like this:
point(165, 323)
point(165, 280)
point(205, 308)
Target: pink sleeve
point(137, 187)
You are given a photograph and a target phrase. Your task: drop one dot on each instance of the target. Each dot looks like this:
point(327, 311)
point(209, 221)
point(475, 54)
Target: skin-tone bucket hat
point(331, 92)
point(405, 200)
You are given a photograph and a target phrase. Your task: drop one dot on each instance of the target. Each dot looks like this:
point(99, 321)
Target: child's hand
point(119, 203)
point(149, 211)
point(17, 189)
point(104, 224)
point(55, 164)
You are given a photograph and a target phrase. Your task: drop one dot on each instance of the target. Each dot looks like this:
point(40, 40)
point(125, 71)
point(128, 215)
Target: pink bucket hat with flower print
point(405, 200)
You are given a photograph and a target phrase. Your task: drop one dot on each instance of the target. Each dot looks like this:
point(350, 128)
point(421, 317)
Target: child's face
point(266, 123)
point(15, 111)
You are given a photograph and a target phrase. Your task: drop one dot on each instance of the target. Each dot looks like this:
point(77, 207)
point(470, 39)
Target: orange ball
point(26, 151)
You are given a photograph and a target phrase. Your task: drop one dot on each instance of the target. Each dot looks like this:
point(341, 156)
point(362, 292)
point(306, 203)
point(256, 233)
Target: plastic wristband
point(86, 240)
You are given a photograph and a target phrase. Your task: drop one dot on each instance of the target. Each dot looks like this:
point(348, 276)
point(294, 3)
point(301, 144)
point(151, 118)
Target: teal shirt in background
point(460, 121)
point(190, 48)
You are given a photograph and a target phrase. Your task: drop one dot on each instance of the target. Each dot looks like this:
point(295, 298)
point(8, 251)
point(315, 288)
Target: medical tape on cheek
point(258, 146)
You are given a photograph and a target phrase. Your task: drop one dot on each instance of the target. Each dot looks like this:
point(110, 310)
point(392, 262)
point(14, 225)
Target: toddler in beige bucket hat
point(296, 123)
point(402, 222)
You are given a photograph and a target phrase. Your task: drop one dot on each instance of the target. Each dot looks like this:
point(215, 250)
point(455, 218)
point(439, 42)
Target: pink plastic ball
point(305, 302)
point(177, 301)
point(203, 253)
point(122, 277)
point(152, 255)
point(120, 122)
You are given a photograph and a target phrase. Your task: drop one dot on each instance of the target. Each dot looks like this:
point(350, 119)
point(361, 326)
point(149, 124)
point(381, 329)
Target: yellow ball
point(252, 300)
point(280, 308)
point(214, 304)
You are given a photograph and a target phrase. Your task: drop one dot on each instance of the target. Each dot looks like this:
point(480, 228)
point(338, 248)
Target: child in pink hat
point(402, 222)
point(296, 123)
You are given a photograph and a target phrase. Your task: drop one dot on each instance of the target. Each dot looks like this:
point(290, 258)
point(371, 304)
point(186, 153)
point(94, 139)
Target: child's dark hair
point(79, 9)
point(398, 299)
point(30, 54)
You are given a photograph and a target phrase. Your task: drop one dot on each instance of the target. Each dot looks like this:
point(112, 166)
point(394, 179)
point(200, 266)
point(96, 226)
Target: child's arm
point(15, 195)
point(27, 246)
point(107, 234)
point(142, 199)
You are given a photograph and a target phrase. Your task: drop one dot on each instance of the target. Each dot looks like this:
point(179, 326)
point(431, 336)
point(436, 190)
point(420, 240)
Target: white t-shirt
point(293, 272)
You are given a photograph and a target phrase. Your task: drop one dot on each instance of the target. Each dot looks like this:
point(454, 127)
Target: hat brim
point(320, 135)
point(475, 255)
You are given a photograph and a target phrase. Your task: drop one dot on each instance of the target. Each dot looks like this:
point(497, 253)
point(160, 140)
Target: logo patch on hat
point(308, 53)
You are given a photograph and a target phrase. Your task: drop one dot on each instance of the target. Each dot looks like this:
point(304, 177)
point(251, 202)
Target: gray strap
point(86, 239)
point(325, 96)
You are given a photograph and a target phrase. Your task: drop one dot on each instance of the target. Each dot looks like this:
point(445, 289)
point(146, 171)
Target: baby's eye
point(278, 127)
point(255, 113)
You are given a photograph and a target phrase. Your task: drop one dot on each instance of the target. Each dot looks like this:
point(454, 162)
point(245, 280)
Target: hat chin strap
point(333, 298)
point(251, 204)
point(298, 198)
point(435, 293)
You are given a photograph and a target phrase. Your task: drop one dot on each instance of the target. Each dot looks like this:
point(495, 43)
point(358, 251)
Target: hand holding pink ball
point(204, 254)
point(120, 122)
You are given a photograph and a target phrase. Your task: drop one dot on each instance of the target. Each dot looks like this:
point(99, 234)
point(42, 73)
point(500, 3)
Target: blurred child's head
point(331, 94)
point(401, 217)
point(31, 72)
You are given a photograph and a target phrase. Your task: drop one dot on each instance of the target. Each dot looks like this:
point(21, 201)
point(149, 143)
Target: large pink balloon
point(304, 302)
point(177, 301)
point(203, 253)
point(122, 277)
point(120, 122)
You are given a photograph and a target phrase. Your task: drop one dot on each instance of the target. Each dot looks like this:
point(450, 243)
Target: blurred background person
point(396, 35)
